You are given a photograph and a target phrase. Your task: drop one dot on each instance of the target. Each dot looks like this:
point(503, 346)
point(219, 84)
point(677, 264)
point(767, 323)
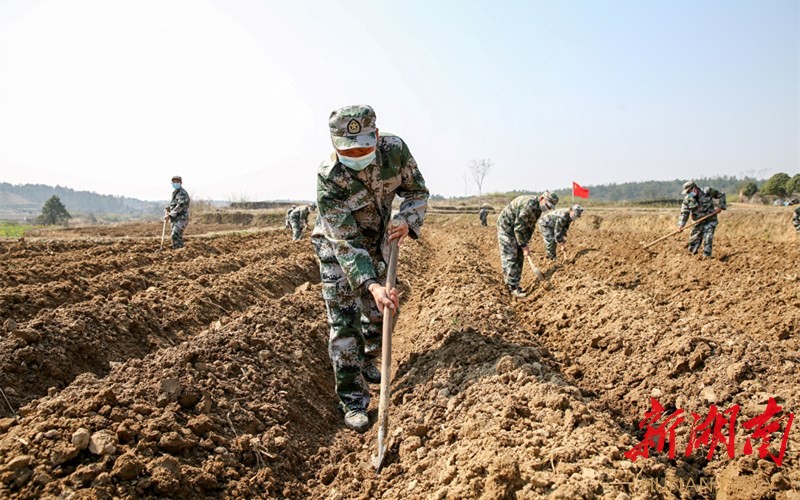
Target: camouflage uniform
point(515, 226)
point(796, 219)
point(179, 215)
point(298, 218)
point(553, 226)
point(699, 205)
point(483, 214)
point(288, 221)
point(350, 240)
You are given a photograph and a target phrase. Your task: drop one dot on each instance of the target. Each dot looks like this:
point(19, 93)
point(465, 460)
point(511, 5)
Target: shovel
point(536, 270)
point(386, 363)
point(684, 227)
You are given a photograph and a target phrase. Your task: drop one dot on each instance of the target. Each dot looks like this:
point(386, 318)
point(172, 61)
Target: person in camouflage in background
point(483, 213)
point(700, 203)
point(355, 190)
point(288, 221)
point(178, 211)
point(298, 219)
point(515, 226)
point(554, 226)
point(796, 219)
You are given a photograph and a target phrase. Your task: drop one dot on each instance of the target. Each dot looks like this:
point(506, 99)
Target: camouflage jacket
point(179, 206)
point(288, 216)
point(796, 219)
point(520, 217)
point(483, 213)
point(300, 214)
point(558, 221)
point(355, 208)
point(701, 205)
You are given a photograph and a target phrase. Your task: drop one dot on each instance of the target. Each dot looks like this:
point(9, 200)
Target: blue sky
point(115, 97)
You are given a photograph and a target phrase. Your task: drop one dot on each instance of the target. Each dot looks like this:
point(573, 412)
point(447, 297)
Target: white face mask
point(356, 163)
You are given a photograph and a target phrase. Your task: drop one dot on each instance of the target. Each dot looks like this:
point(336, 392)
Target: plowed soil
point(204, 372)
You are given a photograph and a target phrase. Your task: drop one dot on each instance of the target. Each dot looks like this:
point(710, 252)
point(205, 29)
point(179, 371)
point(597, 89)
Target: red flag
point(579, 191)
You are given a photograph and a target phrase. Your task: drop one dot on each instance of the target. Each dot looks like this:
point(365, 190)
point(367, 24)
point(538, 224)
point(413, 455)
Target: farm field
point(204, 372)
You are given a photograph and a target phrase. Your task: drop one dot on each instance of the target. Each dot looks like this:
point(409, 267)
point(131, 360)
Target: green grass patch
point(11, 230)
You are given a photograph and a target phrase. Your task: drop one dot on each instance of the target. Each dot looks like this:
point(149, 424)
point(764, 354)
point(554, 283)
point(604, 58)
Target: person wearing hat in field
point(699, 203)
point(177, 212)
point(515, 226)
point(298, 218)
point(554, 226)
point(796, 219)
point(355, 189)
point(483, 213)
point(288, 221)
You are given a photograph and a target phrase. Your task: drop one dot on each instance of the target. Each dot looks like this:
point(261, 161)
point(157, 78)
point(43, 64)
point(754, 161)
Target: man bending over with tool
point(554, 226)
point(700, 203)
point(515, 226)
point(355, 189)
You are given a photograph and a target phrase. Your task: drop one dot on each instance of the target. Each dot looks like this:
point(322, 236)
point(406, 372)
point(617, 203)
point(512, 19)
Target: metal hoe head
point(377, 460)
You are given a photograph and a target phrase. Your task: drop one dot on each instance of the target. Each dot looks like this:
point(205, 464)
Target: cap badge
point(353, 127)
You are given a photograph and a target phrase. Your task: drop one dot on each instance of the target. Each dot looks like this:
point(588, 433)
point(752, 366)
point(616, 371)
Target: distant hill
point(24, 201)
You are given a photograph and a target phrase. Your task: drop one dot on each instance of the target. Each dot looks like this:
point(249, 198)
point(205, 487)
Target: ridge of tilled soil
point(233, 412)
point(133, 312)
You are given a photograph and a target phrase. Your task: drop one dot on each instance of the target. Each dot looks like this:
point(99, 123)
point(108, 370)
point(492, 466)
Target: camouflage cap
point(688, 186)
point(353, 127)
point(178, 177)
point(550, 199)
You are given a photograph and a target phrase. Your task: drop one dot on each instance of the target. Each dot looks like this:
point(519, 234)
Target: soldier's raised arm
point(414, 193)
point(685, 212)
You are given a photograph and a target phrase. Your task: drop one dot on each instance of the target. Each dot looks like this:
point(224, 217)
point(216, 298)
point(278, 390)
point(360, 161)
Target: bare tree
point(478, 169)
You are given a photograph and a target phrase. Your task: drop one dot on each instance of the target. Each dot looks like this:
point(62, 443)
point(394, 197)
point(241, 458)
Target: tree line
point(30, 197)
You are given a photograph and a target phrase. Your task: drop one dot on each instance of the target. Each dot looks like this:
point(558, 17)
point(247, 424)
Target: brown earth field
point(203, 373)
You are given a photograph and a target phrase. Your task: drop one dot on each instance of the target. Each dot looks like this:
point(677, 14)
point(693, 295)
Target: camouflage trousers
point(549, 237)
point(356, 324)
point(511, 257)
point(297, 229)
point(178, 227)
point(702, 233)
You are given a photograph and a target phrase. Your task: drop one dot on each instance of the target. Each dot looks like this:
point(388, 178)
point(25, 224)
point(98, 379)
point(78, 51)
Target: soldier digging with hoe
point(700, 203)
point(355, 189)
point(177, 212)
point(515, 226)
